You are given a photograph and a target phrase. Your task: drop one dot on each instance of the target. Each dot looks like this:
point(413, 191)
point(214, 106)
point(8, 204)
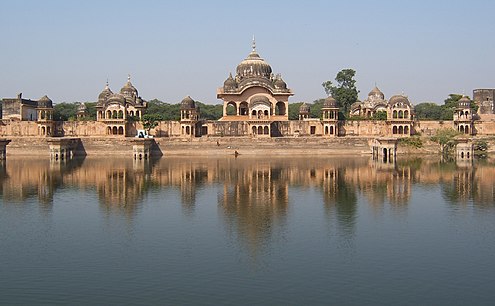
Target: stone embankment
point(220, 146)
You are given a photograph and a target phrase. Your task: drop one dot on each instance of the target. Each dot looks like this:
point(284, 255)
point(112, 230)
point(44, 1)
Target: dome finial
point(254, 44)
point(106, 85)
point(128, 77)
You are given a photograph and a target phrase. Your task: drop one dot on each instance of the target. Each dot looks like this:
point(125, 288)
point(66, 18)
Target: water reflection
point(254, 193)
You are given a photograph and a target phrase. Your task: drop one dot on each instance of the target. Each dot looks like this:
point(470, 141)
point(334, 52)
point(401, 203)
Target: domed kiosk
point(254, 95)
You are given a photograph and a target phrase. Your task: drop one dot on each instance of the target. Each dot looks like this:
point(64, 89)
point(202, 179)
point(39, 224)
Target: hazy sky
point(68, 49)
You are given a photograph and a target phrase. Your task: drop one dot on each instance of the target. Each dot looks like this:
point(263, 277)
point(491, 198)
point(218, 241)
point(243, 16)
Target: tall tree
point(345, 91)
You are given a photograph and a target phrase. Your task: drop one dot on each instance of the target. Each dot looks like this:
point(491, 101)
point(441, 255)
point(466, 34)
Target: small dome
point(464, 102)
point(102, 97)
point(304, 108)
point(399, 100)
point(330, 102)
point(81, 108)
point(376, 93)
point(279, 83)
point(229, 83)
point(129, 90)
point(45, 102)
point(187, 103)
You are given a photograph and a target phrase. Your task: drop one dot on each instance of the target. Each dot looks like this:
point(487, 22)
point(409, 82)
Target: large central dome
point(254, 66)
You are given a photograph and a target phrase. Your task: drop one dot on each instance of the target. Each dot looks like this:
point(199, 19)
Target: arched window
point(394, 114)
point(254, 130)
point(394, 130)
point(280, 109)
point(131, 113)
point(188, 130)
point(109, 115)
point(138, 114)
point(114, 130)
point(109, 131)
point(266, 113)
point(406, 114)
point(42, 130)
point(331, 130)
point(231, 109)
point(266, 130)
point(121, 114)
point(461, 129)
point(406, 130)
point(243, 108)
point(326, 130)
point(401, 115)
point(401, 130)
point(114, 114)
point(253, 113)
point(260, 130)
point(466, 130)
point(121, 130)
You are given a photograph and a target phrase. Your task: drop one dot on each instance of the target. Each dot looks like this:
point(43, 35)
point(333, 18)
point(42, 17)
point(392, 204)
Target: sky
point(68, 49)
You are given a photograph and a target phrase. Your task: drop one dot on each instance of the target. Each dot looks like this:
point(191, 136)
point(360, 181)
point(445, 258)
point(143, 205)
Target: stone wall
point(291, 128)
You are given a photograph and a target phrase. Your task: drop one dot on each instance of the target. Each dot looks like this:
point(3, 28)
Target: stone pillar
point(3, 148)
point(141, 148)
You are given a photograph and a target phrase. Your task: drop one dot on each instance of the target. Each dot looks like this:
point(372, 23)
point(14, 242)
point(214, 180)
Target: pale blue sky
point(68, 49)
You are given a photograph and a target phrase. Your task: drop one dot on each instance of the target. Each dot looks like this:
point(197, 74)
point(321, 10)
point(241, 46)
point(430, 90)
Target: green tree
point(315, 108)
point(428, 111)
point(445, 137)
point(294, 110)
point(380, 115)
point(345, 92)
point(210, 112)
point(64, 111)
point(151, 121)
point(449, 106)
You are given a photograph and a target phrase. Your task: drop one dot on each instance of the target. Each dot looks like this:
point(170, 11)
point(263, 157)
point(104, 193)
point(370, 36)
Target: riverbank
point(220, 146)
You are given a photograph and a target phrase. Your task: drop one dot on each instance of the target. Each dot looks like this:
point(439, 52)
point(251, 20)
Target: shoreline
point(223, 146)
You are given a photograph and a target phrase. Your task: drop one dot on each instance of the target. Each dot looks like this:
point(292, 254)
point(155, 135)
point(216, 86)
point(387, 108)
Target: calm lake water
point(244, 231)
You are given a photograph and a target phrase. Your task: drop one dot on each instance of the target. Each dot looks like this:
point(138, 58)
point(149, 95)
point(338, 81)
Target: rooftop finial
point(128, 77)
point(254, 43)
point(106, 85)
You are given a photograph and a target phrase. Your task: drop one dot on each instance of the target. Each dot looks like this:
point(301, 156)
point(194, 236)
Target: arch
point(43, 131)
point(401, 114)
point(48, 131)
point(260, 130)
point(114, 130)
point(188, 130)
point(231, 109)
point(385, 154)
point(266, 131)
point(109, 131)
point(462, 154)
point(109, 114)
point(243, 108)
point(280, 108)
point(466, 129)
point(401, 129)
point(120, 114)
point(114, 114)
point(266, 113)
point(394, 114)
point(406, 114)
point(138, 114)
point(468, 155)
point(406, 130)
point(394, 129)
point(121, 130)
point(43, 114)
point(326, 130)
point(260, 114)
point(254, 130)
point(331, 115)
point(461, 129)
point(331, 130)
point(131, 113)
point(253, 113)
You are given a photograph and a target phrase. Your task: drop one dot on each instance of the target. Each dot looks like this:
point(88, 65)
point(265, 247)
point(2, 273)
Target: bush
point(414, 142)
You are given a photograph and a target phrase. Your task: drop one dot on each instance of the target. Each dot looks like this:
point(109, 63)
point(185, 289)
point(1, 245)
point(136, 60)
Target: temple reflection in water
point(253, 195)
